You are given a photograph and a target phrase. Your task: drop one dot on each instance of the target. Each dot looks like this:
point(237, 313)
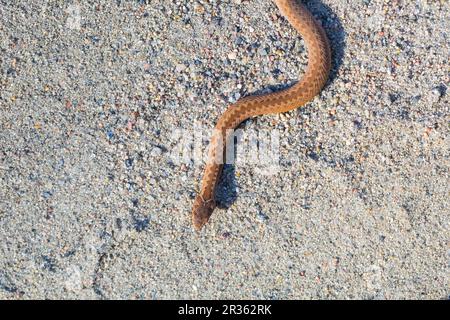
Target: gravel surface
point(94, 204)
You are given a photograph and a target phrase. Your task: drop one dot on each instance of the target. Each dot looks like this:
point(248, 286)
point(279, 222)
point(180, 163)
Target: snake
point(309, 85)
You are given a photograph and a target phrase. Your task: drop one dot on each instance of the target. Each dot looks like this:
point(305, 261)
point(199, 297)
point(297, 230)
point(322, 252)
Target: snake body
point(312, 82)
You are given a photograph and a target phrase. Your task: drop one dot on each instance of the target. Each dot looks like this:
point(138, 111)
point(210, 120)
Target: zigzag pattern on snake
point(312, 82)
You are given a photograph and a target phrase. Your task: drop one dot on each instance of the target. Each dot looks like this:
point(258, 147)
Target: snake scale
point(312, 82)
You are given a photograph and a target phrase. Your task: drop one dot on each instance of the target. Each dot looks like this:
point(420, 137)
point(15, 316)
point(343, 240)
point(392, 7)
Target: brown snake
point(312, 82)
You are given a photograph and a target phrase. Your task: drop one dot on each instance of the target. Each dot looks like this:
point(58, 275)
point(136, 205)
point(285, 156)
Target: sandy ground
point(95, 204)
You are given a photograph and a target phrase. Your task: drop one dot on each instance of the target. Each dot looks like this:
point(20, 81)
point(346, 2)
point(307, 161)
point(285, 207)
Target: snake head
point(201, 211)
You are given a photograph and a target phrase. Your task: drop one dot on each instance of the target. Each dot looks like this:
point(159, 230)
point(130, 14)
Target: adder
point(312, 82)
